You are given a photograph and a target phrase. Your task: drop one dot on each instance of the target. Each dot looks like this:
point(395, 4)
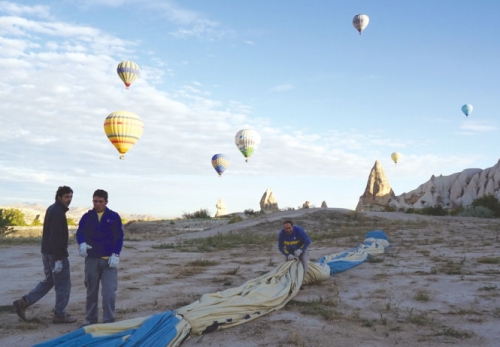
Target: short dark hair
point(62, 190)
point(101, 193)
point(288, 222)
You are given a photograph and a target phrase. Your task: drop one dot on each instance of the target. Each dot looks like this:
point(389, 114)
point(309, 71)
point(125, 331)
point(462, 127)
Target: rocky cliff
point(458, 189)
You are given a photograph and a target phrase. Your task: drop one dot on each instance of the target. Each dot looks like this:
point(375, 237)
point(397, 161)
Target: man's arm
point(118, 235)
point(304, 238)
point(280, 244)
point(58, 224)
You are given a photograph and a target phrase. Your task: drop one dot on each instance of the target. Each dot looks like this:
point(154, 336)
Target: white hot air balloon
point(360, 22)
point(247, 141)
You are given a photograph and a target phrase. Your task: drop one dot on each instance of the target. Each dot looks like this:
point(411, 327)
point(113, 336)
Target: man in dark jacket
point(293, 242)
point(100, 240)
point(55, 260)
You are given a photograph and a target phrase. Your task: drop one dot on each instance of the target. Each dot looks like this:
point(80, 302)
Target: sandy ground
point(438, 284)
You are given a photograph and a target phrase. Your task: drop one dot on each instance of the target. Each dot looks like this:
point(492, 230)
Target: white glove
point(297, 252)
point(83, 249)
point(291, 257)
point(58, 267)
point(114, 260)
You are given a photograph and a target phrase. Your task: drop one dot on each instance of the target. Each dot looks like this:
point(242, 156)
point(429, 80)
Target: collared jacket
point(298, 239)
point(55, 231)
point(105, 236)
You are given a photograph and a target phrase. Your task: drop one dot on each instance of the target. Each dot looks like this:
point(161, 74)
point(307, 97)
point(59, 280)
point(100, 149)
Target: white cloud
point(15, 9)
point(281, 88)
point(476, 127)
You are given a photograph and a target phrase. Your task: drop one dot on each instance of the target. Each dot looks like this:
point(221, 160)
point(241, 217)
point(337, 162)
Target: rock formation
point(324, 205)
point(221, 208)
point(378, 193)
point(458, 189)
point(306, 204)
point(452, 191)
point(268, 202)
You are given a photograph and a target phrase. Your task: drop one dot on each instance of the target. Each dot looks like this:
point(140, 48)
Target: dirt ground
point(437, 284)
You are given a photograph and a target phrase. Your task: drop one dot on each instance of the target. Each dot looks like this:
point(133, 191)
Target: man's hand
point(83, 249)
point(57, 267)
point(114, 260)
point(297, 252)
point(290, 257)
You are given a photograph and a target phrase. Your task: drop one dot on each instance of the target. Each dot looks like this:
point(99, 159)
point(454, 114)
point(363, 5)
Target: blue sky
point(326, 101)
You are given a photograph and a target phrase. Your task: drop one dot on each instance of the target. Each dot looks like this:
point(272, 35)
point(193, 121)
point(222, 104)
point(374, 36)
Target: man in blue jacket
point(293, 242)
point(100, 240)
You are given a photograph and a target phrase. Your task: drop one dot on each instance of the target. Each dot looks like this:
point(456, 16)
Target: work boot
point(20, 307)
point(63, 319)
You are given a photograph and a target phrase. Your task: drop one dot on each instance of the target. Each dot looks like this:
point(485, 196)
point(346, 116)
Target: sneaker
point(85, 324)
point(20, 307)
point(63, 320)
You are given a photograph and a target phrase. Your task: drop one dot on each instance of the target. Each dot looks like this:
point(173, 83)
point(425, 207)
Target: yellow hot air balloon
point(123, 129)
point(247, 141)
point(395, 157)
point(128, 72)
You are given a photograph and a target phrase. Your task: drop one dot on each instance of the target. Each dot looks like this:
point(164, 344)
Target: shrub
point(71, 221)
point(4, 224)
point(235, 219)
point(490, 202)
point(201, 213)
point(36, 222)
point(437, 210)
point(479, 212)
point(250, 212)
point(15, 217)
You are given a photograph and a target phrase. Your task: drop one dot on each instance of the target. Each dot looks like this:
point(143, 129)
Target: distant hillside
point(32, 210)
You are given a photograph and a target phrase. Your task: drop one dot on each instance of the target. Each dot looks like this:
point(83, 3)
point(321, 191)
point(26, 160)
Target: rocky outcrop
point(452, 191)
point(221, 208)
point(458, 189)
point(268, 202)
point(378, 193)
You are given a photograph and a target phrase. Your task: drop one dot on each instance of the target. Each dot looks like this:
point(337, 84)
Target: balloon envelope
point(247, 141)
point(467, 109)
point(220, 162)
point(395, 157)
point(360, 22)
point(128, 72)
point(123, 129)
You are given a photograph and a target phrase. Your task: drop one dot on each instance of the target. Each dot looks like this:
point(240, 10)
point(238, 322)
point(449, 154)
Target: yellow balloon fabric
point(128, 71)
point(123, 129)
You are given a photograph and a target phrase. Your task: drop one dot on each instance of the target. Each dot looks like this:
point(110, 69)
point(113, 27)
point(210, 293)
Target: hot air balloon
point(360, 22)
point(395, 157)
point(247, 141)
point(467, 109)
point(128, 72)
point(220, 162)
point(123, 129)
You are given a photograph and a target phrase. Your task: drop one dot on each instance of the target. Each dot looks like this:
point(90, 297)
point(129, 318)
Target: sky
point(327, 102)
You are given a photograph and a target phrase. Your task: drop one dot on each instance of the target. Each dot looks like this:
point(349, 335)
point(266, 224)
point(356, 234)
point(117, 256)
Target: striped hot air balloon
point(247, 141)
point(128, 72)
point(220, 162)
point(123, 129)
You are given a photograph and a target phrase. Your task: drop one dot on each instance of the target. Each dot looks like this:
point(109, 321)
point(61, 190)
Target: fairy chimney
point(324, 205)
point(221, 208)
point(268, 202)
point(378, 192)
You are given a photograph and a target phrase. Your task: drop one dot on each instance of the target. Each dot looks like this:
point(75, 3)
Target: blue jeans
point(98, 271)
point(61, 281)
